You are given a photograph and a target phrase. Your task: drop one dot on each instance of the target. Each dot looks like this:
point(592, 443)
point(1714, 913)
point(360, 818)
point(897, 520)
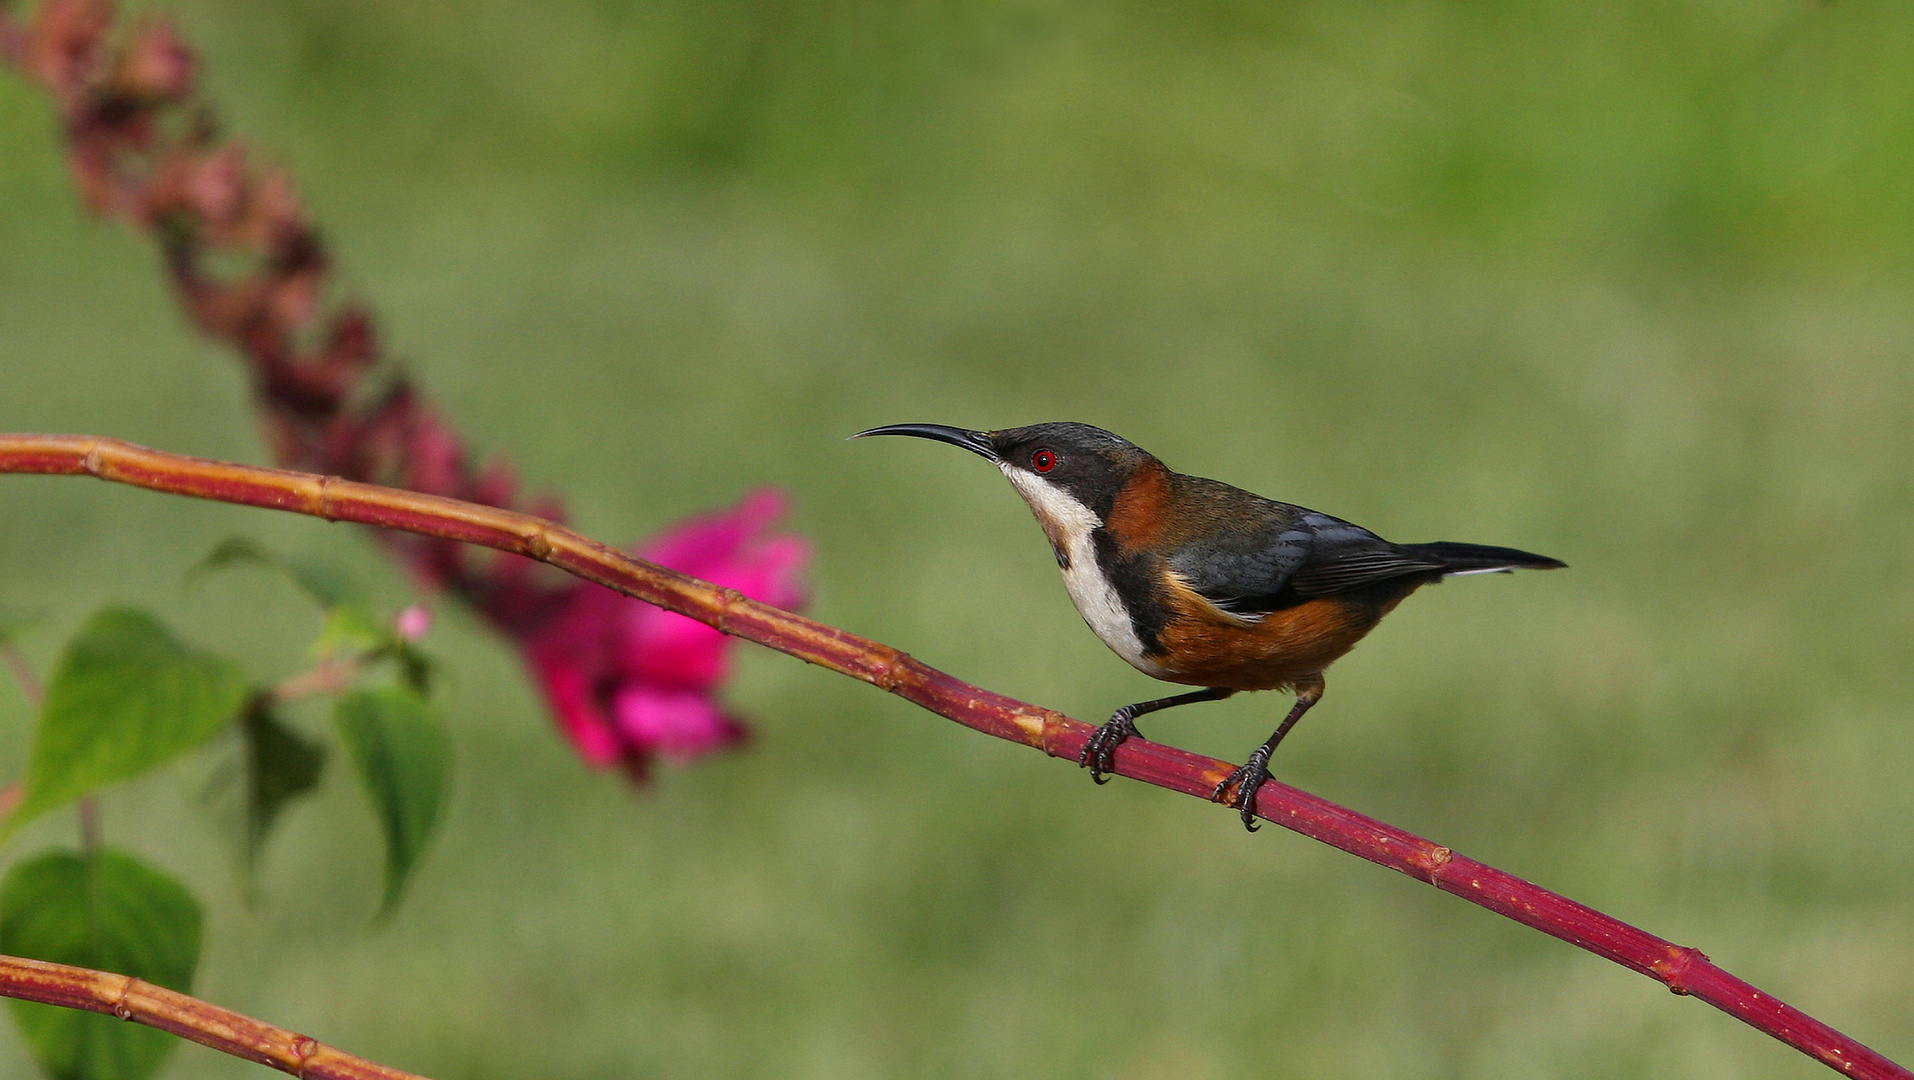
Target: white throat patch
point(1068, 523)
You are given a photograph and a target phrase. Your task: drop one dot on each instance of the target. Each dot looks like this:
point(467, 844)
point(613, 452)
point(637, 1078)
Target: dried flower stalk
point(250, 269)
point(1683, 969)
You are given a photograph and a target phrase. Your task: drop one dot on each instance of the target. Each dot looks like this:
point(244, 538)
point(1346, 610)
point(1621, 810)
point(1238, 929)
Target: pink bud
point(414, 622)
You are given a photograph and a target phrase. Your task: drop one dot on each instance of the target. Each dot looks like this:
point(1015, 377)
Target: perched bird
point(1196, 582)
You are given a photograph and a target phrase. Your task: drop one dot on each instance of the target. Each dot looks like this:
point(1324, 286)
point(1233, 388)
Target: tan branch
point(188, 1017)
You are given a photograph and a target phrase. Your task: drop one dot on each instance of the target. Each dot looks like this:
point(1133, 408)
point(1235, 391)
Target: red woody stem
point(1683, 969)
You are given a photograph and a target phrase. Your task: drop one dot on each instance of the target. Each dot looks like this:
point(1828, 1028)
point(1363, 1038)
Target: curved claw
point(1246, 780)
point(1099, 750)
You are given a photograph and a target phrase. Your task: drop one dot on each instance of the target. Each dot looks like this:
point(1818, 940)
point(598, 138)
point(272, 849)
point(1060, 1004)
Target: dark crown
point(1060, 435)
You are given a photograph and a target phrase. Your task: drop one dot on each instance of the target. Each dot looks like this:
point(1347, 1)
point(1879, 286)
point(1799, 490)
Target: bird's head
point(1070, 474)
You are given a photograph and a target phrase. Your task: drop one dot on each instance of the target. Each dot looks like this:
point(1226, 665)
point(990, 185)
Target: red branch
point(1684, 970)
point(188, 1017)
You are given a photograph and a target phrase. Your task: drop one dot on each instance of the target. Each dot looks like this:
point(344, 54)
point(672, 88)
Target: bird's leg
point(1100, 749)
point(1256, 770)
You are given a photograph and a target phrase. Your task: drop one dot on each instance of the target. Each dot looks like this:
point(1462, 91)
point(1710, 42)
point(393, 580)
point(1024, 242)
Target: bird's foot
point(1099, 751)
point(1246, 781)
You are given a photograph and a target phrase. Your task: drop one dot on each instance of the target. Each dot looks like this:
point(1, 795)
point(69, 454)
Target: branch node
point(728, 599)
point(539, 544)
point(325, 498)
point(91, 461)
point(120, 1008)
point(1672, 968)
point(1438, 858)
point(885, 668)
point(1050, 724)
point(303, 1048)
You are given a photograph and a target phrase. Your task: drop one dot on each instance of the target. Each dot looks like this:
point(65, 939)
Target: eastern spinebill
point(1196, 582)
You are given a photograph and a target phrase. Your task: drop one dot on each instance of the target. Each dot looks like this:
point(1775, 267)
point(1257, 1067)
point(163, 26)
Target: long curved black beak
point(976, 442)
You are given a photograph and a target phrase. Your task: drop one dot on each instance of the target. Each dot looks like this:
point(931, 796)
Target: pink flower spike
point(630, 682)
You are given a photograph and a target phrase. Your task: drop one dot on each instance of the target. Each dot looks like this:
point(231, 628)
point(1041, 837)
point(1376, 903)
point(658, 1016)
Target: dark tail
point(1458, 559)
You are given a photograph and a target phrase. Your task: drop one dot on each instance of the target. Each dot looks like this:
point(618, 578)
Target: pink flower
point(630, 682)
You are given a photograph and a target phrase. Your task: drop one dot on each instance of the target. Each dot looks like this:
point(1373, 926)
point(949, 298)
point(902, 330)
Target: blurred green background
point(1631, 284)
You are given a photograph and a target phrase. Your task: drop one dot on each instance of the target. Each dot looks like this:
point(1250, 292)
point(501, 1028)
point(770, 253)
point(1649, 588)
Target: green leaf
point(281, 765)
point(273, 765)
point(325, 585)
point(415, 667)
point(349, 628)
point(110, 912)
point(349, 625)
point(401, 754)
point(126, 697)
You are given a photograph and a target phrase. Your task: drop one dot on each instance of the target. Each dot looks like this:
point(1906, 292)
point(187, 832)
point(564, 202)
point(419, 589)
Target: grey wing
point(1250, 575)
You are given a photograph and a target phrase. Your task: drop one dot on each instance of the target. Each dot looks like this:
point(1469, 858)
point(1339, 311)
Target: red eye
point(1043, 461)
